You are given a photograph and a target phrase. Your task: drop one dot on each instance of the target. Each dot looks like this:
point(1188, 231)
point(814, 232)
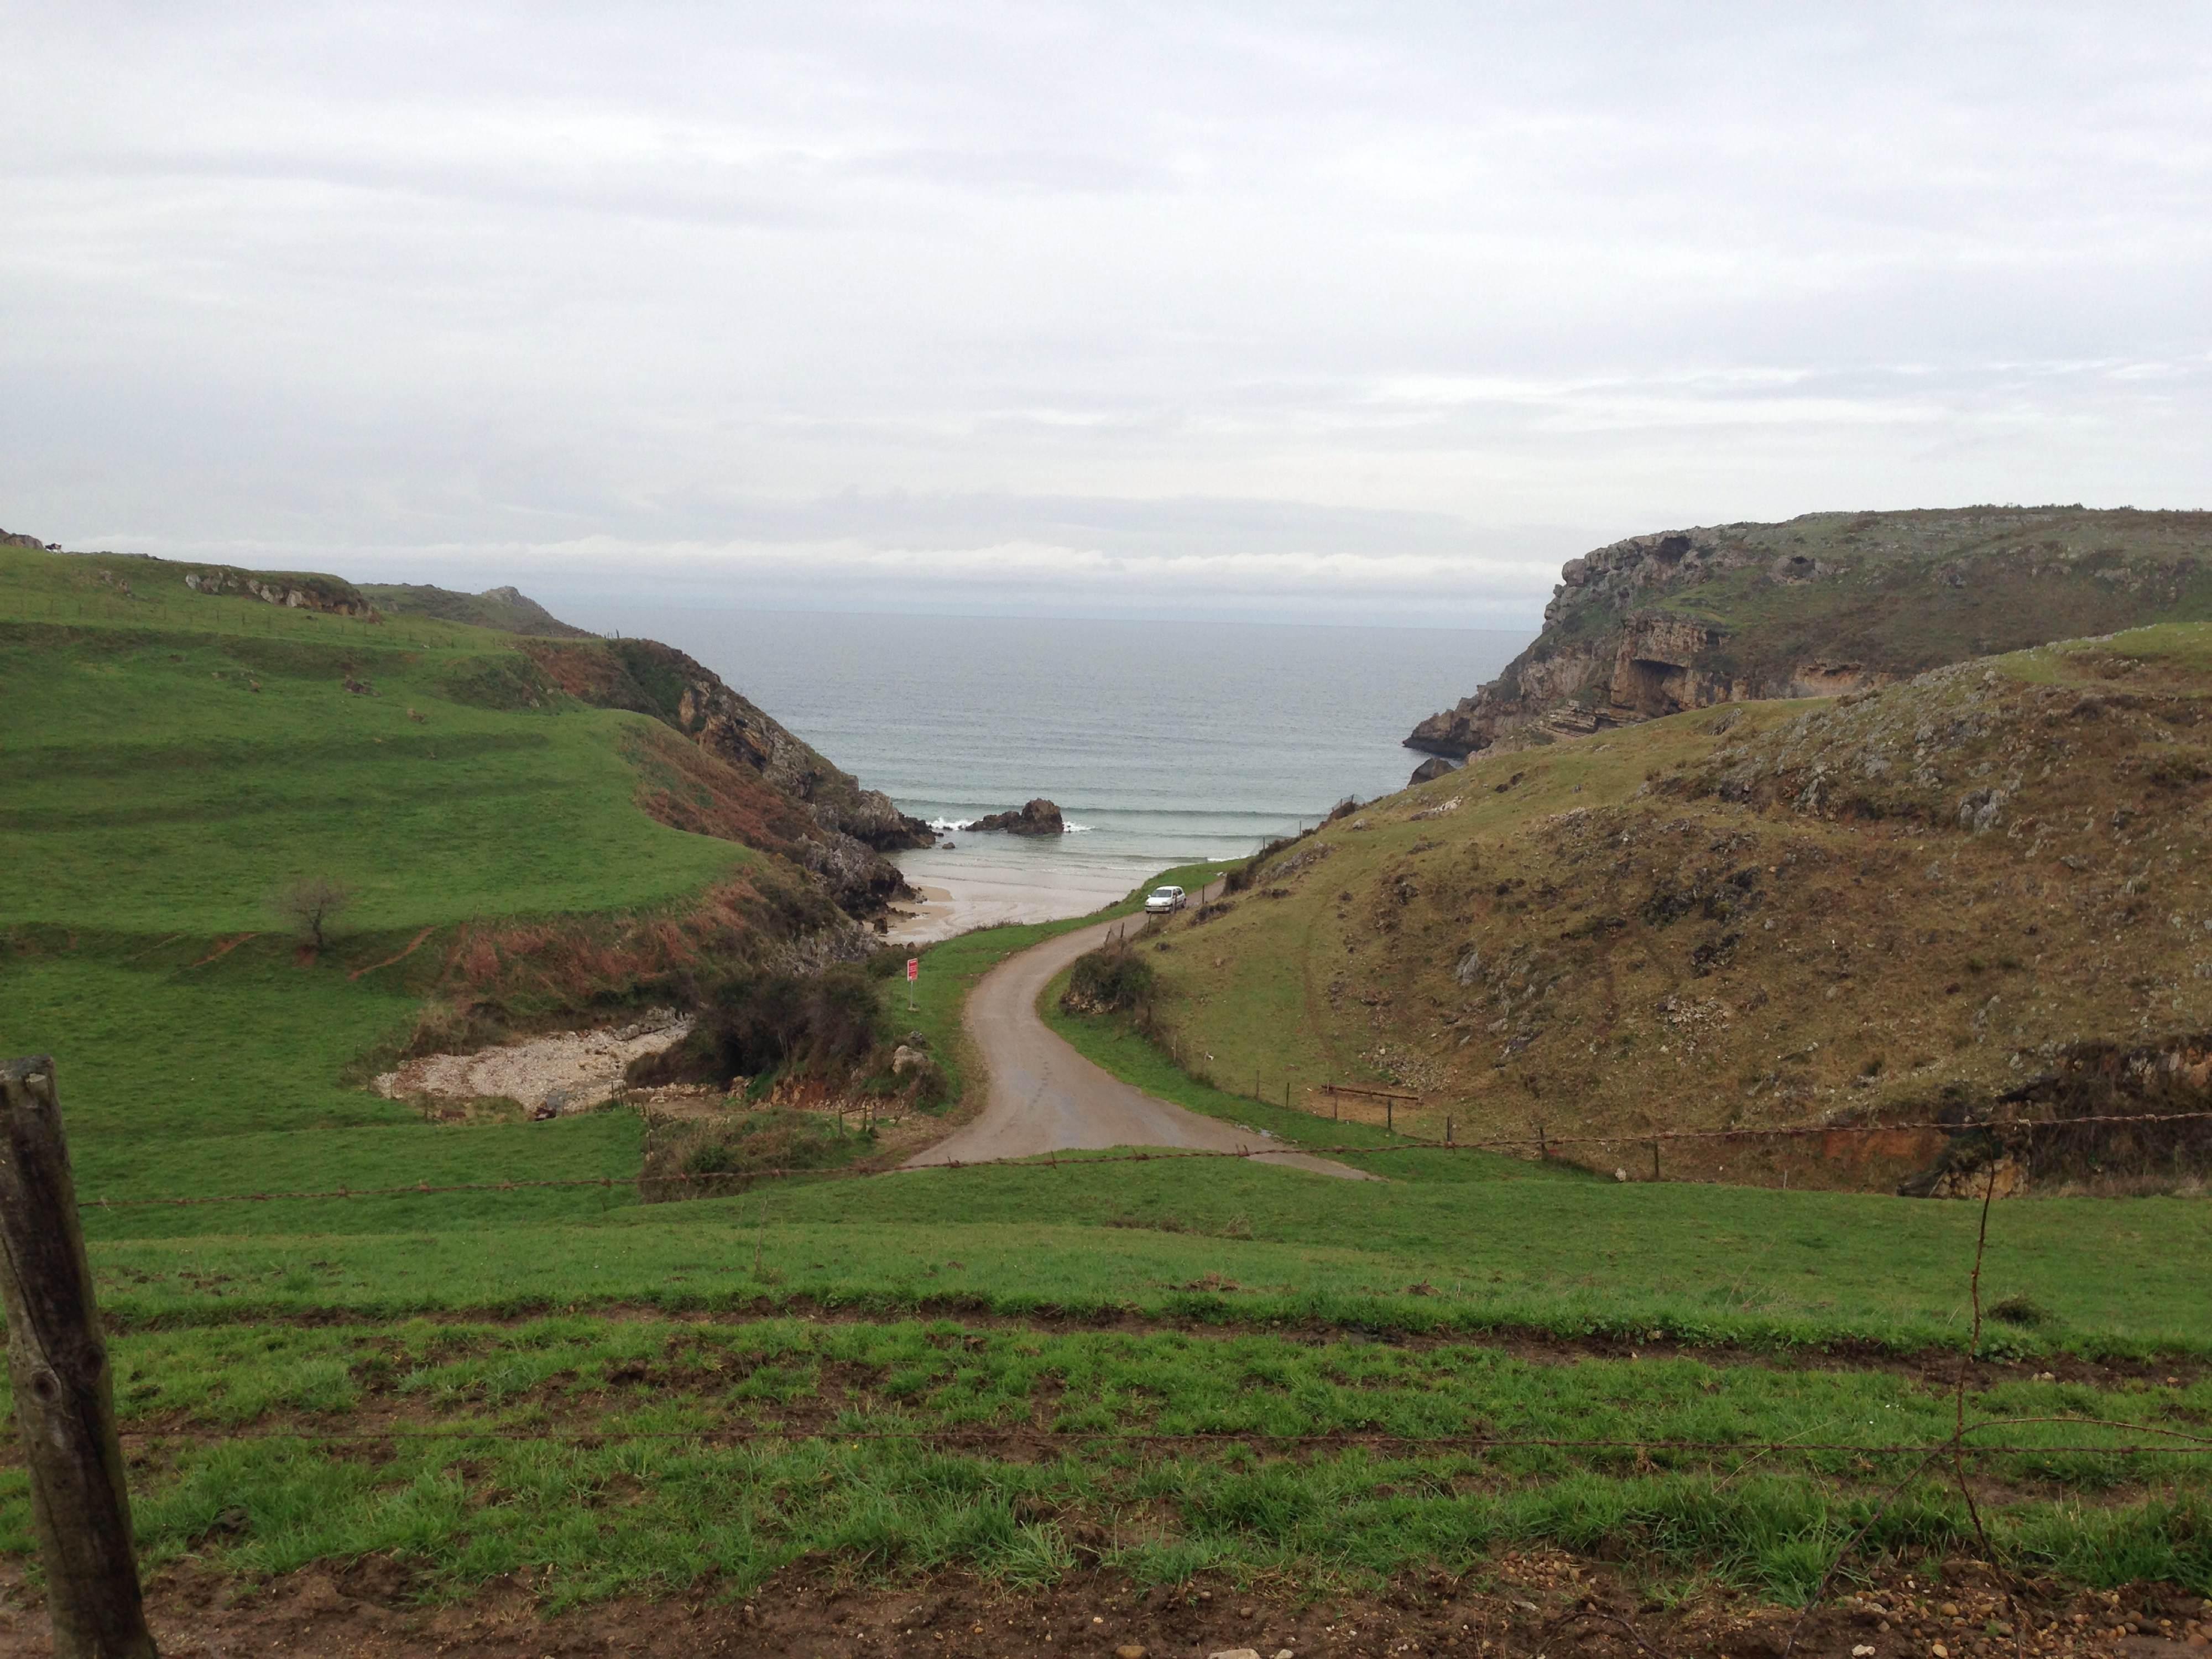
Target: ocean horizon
point(1162, 743)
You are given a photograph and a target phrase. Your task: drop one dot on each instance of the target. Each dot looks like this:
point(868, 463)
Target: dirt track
point(1046, 1097)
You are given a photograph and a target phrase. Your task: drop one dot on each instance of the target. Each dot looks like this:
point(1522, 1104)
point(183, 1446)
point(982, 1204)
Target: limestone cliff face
point(725, 724)
point(1819, 606)
point(1605, 660)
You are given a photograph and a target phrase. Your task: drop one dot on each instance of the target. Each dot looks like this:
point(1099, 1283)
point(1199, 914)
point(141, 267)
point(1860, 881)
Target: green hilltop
point(1823, 604)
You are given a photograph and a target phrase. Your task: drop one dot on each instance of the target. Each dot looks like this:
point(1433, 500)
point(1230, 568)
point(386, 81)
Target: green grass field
point(559, 1446)
point(936, 1370)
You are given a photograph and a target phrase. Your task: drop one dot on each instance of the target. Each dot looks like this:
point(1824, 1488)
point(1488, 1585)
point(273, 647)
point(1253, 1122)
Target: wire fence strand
point(1541, 1143)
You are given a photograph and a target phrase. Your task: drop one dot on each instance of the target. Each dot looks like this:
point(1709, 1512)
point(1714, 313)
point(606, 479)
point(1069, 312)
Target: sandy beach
point(986, 880)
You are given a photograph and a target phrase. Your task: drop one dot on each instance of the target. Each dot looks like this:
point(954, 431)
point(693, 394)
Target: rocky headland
point(507, 608)
point(1822, 604)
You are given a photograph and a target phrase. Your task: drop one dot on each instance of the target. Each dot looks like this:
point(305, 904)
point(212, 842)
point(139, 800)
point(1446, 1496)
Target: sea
point(1162, 743)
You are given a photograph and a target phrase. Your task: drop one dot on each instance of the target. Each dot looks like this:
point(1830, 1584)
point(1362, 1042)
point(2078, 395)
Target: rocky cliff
point(1825, 604)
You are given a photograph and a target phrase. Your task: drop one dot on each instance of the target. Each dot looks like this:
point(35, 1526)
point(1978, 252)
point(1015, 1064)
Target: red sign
point(913, 969)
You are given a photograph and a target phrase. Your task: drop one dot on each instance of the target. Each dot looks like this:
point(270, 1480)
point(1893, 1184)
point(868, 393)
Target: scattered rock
point(904, 1059)
point(1431, 769)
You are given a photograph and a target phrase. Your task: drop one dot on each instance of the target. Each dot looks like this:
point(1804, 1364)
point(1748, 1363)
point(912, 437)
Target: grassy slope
point(157, 802)
point(1650, 954)
point(603, 1515)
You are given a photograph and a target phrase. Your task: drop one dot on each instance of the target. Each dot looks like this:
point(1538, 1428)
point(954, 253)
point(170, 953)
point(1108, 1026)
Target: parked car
point(1164, 901)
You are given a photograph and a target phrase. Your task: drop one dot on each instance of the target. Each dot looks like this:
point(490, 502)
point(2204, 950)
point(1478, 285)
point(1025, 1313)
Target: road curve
point(1046, 1097)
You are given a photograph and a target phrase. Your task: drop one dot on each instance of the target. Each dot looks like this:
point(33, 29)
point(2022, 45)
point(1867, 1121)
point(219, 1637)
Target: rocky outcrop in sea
point(1038, 818)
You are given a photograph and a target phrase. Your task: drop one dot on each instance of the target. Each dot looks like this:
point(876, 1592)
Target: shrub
point(2020, 1310)
point(312, 904)
point(752, 1024)
point(1113, 979)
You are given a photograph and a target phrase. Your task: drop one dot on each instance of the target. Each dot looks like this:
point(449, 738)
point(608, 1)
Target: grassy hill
point(176, 756)
point(505, 609)
point(1901, 904)
point(1122, 1391)
point(1822, 604)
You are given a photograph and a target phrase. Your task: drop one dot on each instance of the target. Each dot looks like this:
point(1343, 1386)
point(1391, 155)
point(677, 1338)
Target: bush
point(753, 1024)
point(2020, 1310)
point(1113, 979)
point(312, 904)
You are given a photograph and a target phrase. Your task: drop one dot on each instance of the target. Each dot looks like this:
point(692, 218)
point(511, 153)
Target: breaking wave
point(950, 826)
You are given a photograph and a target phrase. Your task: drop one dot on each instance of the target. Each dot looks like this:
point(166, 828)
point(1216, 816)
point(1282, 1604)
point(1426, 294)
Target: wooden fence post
point(64, 1392)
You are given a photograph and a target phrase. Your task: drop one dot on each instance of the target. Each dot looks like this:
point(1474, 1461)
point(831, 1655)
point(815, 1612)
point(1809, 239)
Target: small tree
point(312, 904)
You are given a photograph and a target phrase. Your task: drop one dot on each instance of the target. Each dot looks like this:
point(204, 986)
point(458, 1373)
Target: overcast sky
point(1353, 312)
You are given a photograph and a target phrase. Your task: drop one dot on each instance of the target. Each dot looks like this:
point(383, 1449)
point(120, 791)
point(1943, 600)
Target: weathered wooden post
point(64, 1393)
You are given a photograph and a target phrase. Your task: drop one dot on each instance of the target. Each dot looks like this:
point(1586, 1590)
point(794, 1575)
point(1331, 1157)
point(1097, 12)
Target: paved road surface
point(1046, 1097)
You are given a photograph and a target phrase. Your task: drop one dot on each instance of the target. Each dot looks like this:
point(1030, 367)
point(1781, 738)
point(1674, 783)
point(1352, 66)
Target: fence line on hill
point(227, 614)
point(1542, 1142)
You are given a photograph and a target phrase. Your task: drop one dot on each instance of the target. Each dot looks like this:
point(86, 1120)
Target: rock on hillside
point(1916, 901)
point(1828, 603)
point(293, 592)
point(507, 608)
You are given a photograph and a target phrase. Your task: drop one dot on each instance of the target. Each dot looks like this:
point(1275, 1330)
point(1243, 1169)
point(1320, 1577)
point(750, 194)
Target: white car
point(1164, 901)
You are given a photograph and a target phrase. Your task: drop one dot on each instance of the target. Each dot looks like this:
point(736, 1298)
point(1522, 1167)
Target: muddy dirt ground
point(1520, 1604)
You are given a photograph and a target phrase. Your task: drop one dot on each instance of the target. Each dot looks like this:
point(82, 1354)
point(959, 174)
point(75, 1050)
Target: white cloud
point(1294, 303)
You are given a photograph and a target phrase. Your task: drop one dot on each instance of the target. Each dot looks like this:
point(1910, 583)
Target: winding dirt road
point(1046, 1097)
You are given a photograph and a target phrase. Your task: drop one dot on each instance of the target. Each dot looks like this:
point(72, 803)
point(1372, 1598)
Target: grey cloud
point(1441, 293)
